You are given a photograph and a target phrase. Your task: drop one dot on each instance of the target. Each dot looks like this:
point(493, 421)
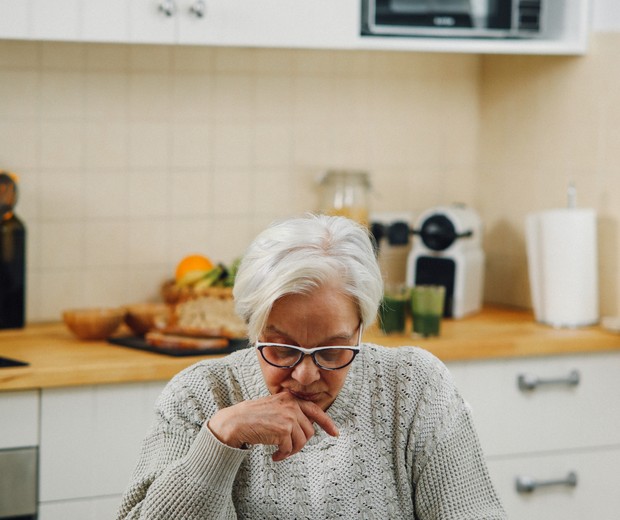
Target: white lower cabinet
point(552, 423)
point(90, 441)
point(102, 508)
point(19, 412)
point(562, 428)
point(594, 496)
point(19, 437)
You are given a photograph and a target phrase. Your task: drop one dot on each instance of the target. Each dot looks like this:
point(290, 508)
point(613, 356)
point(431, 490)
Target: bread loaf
point(163, 340)
point(174, 293)
point(206, 316)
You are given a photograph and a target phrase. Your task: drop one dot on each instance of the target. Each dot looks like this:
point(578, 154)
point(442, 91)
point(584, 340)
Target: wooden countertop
point(57, 359)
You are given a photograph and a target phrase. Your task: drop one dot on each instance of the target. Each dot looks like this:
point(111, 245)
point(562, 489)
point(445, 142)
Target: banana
point(192, 277)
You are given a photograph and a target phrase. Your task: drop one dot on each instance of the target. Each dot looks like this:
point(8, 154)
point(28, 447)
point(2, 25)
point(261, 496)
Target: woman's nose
point(306, 372)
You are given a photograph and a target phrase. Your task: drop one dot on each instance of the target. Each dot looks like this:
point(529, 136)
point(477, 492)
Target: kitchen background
point(131, 157)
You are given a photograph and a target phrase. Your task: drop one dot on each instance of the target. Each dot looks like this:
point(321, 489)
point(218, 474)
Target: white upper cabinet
point(56, 19)
point(153, 21)
point(272, 23)
point(328, 24)
point(65, 20)
point(105, 21)
point(264, 23)
point(14, 19)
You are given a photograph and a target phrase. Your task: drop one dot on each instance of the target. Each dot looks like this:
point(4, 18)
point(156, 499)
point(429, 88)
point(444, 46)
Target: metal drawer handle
point(530, 382)
point(168, 7)
point(198, 8)
point(528, 484)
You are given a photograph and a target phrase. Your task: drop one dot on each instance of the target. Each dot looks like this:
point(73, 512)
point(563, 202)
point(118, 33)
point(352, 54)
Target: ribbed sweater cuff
point(213, 463)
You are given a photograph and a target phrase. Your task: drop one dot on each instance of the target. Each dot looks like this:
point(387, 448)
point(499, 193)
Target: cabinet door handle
point(526, 484)
point(168, 7)
point(530, 382)
point(198, 8)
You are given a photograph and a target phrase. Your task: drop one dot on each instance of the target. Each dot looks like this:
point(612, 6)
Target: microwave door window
point(407, 6)
point(432, 6)
point(454, 18)
point(424, 13)
point(499, 14)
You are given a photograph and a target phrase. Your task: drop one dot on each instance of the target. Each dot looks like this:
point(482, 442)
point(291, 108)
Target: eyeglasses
point(328, 358)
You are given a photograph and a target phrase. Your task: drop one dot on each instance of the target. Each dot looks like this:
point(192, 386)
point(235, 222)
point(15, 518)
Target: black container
point(12, 258)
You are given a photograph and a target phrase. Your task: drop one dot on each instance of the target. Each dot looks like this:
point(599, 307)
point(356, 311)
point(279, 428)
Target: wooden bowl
point(144, 317)
point(93, 324)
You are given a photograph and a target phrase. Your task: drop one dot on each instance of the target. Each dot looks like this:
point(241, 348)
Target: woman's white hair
point(301, 253)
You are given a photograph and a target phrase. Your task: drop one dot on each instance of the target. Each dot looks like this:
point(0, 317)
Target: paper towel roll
point(563, 266)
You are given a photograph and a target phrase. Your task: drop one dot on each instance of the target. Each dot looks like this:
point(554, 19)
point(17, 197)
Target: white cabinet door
point(14, 19)
point(103, 508)
point(56, 19)
point(91, 437)
point(19, 419)
point(550, 417)
point(105, 21)
point(270, 23)
point(594, 496)
point(209, 27)
point(153, 21)
point(70, 20)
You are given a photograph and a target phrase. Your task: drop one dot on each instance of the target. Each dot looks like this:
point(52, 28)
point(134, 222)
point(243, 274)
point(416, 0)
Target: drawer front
point(595, 494)
point(556, 414)
point(19, 414)
point(100, 508)
point(91, 438)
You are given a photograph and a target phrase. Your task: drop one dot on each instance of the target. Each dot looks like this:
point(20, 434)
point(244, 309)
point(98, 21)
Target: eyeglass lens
point(286, 357)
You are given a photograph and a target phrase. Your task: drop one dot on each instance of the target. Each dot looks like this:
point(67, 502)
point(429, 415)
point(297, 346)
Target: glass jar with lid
point(346, 193)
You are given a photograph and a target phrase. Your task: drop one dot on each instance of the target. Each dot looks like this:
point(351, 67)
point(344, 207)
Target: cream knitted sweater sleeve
point(183, 472)
point(407, 450)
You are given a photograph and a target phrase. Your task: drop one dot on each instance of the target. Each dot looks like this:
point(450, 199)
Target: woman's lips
point(305, 396)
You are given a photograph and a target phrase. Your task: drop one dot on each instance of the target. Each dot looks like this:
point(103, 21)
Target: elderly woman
point(311, 423)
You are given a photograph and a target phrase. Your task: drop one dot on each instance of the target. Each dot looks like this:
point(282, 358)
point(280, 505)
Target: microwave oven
point(453, 18)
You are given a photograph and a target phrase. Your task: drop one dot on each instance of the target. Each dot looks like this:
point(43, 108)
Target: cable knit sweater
point(407, 449)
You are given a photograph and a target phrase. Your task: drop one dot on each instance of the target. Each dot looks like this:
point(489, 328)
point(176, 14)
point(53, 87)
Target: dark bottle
point(12, 257)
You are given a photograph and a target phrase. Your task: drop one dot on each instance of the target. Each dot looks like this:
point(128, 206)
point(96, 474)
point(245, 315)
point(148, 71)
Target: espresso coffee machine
point(447, 251)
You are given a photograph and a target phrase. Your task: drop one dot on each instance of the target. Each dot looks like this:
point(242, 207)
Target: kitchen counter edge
point(57, 359)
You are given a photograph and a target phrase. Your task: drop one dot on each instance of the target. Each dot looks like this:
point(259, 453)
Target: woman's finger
point(296, 439)
point(279, 420)
point(316, 415)
point(285, 448)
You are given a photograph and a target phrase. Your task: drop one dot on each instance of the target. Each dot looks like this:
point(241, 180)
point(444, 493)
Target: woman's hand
point(279, 420)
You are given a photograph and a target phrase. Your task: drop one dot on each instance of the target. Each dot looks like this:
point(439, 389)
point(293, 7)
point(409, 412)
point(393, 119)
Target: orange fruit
point(192, 263)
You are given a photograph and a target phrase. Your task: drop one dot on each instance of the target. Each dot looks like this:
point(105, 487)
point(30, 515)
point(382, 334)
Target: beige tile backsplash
point(132, 156)
point(546, 122)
